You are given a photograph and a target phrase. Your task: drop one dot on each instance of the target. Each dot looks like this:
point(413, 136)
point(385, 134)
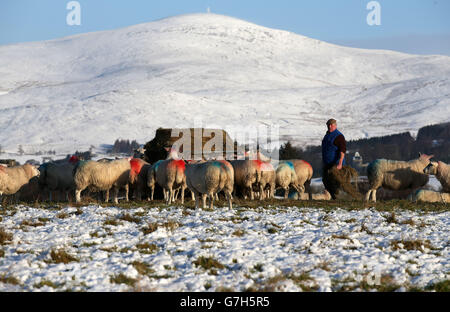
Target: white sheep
point(431, 196)
point(102, 176)
point(209, 178)
point(442, 172)
point(267, 182)
point(246, 174)
point(396, 175)
point(325, 195)
point(12, 179)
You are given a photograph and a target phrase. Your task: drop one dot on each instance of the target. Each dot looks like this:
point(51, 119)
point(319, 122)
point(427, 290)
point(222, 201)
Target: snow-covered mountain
point(93, 88)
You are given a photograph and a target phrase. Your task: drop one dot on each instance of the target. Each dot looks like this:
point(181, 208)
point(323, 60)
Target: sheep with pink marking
point(170, 175)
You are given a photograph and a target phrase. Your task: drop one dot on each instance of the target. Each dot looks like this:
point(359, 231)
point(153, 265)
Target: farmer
point(335, 173)
point(333, 146)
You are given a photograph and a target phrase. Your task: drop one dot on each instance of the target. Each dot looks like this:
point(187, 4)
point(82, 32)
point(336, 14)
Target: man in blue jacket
point(333, 154)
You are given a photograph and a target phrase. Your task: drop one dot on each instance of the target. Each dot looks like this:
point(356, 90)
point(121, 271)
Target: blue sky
point(414, 26)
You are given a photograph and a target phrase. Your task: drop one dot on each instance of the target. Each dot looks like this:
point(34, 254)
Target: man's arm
point(340, 143)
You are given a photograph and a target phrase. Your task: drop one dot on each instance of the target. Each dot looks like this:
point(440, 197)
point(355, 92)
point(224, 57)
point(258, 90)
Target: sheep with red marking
point(102, 176)
point(138, 176)
point(170, 175)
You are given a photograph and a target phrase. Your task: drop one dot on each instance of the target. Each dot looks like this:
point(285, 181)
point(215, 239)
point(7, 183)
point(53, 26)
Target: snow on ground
point(288, 249)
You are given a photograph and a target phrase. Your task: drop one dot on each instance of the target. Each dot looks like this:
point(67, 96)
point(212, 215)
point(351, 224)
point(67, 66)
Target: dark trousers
point(328, 182)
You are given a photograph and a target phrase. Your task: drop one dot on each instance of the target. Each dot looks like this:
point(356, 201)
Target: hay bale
point(156, 149)
point(335, 179)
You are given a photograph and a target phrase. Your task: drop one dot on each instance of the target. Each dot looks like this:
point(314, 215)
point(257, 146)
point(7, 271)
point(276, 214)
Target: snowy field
point(97, 248)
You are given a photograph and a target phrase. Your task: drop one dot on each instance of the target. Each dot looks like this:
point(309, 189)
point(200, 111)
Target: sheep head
point(431, 168)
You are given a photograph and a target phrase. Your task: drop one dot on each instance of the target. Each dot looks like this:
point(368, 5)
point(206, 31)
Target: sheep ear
point(431, 156)
point(420, 154)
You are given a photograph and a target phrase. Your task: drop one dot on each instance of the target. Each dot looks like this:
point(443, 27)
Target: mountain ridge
point(96, 87)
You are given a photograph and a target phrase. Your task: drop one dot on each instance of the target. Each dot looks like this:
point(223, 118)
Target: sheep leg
point(127, 189)
point(286, 192)
point(182, 194)
point(229, 197)
point(261, 192)
point(197, 200)
point(153, 192)
point(116, 195)
point(374, 196)
point(211, 200)
point(368, 195)
point(107, 196)
point(204, 200)
point(169, 196)
point(78, 196)
point(193, 196)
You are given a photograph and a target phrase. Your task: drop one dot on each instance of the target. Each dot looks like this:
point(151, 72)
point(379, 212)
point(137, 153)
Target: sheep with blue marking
point(296, 173)
point(151, 178)
point(396, 175)
point(209, 178)
point(285, 177)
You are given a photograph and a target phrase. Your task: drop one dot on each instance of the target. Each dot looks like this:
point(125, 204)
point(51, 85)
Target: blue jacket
point(330, 152)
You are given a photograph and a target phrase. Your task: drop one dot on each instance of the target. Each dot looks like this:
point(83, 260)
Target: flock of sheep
point(205, 179)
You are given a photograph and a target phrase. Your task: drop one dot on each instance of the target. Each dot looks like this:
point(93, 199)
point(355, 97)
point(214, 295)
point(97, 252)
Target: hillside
point(91, 89)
